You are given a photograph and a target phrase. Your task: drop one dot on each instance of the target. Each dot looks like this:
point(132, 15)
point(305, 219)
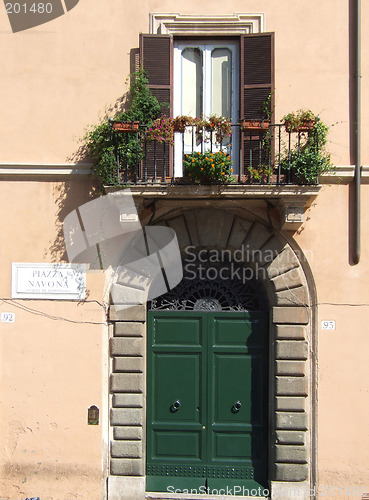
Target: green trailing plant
point(306, 165)
point(260, 173)
point(308, 159)
point(266, 109)
point(143, 106)
point(108, 149)
point(209, 168)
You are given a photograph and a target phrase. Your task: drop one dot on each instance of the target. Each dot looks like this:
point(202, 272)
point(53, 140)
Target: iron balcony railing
point(259, 156)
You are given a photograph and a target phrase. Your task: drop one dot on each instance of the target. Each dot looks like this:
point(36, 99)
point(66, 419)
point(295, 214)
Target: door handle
point(175, 406)
point(236, 407)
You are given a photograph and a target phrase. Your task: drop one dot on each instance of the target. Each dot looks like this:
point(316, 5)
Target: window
point(201, 75)
point(206, 82)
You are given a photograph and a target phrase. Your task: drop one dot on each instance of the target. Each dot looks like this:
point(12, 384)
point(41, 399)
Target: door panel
point(168, 443)
point(227, 371)
point(177, 397)
point(229, 446)
point(206, 408)
point(170, 331)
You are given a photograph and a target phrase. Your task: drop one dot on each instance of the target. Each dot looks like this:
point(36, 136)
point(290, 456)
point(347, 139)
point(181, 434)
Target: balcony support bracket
point(291, 213)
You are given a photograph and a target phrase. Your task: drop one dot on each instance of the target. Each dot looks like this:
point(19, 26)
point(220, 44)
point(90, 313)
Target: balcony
point(259, 157)
point(264, 163)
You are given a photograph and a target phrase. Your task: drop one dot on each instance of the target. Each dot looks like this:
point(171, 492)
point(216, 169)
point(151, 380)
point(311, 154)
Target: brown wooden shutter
point(257, 82)
point(257, 72)
point(156, 58)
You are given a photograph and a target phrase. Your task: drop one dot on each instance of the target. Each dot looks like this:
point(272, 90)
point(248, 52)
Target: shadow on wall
point(68, 196)
point(121, 104)
point(72, 194)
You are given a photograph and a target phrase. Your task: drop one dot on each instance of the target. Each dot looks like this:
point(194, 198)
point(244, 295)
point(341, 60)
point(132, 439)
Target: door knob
point(236, 407)
point(175, 406)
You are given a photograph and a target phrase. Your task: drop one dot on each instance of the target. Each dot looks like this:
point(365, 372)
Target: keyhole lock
point(175, 406)
point(236, 407)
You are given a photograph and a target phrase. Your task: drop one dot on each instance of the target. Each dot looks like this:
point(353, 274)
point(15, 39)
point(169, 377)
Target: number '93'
point(23, 8)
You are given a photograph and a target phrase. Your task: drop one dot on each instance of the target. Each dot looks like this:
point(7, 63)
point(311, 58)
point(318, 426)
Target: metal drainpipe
point(357, 130)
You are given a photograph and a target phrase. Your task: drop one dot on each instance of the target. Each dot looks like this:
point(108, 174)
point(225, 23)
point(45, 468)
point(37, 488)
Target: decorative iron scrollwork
point(213, 294)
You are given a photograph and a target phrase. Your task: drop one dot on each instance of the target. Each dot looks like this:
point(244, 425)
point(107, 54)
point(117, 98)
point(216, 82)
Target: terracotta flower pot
point(125, 127)
point(255, 125)
point(304, 126)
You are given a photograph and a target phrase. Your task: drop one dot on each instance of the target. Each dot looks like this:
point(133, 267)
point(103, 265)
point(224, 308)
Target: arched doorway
point(288, 284)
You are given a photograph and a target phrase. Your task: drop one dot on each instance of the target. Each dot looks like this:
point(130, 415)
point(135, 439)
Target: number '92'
point(23, 8)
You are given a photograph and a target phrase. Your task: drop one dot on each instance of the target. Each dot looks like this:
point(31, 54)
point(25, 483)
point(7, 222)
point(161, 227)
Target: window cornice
point(177, 24)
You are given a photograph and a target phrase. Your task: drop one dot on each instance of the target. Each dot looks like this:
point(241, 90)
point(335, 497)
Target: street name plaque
point(48, 281)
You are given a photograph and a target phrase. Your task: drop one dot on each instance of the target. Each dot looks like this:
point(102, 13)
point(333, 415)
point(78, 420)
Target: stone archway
point(290, 293)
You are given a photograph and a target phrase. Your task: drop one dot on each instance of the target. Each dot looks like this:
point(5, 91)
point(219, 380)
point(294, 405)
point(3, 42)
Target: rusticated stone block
point(191, 225)
point(291, 454)
point(291, 472)
point(126, 346)
point(127, 382)
point(126, 467)
point(290, 315)
point(129, 329)
point(124, 295)
point(290, 437)
point(128, 364)
point(295, 297)
point(132, 433)
point(292, 349)
point(127, 401)
point(127, 313)
point(291, 279)
point(213, 230)
point(179, 226)
point(270, 251)
point(290, 403)
point(291, 386)
point(292, 368)
point(126, 416)
point(291, 421)
point(257, 237)
point(126, 449)
point(240, 228)
point(284, 262)
point(290, 332)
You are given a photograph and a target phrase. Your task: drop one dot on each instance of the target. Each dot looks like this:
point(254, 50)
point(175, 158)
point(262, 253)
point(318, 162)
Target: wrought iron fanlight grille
point(213, 293)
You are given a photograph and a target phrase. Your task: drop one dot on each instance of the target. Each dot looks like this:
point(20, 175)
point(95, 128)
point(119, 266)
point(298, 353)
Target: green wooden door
point(206, 400)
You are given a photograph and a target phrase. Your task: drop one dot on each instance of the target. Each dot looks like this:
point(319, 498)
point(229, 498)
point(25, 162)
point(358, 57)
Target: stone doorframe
point(291, 293)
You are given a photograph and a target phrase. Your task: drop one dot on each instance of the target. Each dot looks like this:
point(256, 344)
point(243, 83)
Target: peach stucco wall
point(57, 79)
point(52, 362)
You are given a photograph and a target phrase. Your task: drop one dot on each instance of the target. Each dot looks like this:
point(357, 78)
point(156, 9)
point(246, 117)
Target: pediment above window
point(233, 24)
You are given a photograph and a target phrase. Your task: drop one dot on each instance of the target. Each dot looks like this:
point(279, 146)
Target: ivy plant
point(106, 147)
point(308, 159)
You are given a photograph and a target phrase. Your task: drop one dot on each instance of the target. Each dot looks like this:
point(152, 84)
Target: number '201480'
point(35, 8)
